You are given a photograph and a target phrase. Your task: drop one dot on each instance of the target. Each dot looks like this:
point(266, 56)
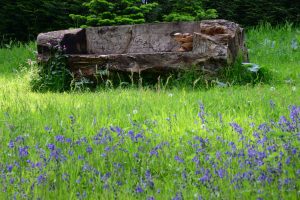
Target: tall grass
point(233, 142)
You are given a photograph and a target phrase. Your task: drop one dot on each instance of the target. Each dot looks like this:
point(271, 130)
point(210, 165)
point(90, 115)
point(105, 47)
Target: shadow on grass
point(192, 78)
point(54, 78)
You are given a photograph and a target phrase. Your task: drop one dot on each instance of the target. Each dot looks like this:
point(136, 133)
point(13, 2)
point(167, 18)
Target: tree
point(114, 12)
point(185, 10)
point(23, 19)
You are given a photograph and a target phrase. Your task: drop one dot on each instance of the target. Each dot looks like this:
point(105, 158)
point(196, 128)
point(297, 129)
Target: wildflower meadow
point(227, 141)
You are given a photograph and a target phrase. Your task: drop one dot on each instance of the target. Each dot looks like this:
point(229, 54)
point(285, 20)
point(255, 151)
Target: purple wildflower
point(68, 140)
point(271, 148)
point(251, 152)
point(264, 127)
point(196, 160)
point(178, 159)
point(288, 160)
point(47, 128)
point(23, 151)
point(60, 138)
point(89, 150)
point(139, 189)
point(51, 147)
point(201, 113)
point(221, 173)
point(256, 135)
point(154, 152)
point(233, 146)
point(10, 168)
point(262, 177)
point(11, 144)
point(206, 177)
point(236, 127)
point(285, 124)
point(41, 178)
point(295, 114)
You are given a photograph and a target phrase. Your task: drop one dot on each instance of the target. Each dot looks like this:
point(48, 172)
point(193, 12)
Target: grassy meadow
point(234, 142)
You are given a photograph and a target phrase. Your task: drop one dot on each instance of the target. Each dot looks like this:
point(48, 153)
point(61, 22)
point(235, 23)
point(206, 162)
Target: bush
point(52, 75)
point(105, 12)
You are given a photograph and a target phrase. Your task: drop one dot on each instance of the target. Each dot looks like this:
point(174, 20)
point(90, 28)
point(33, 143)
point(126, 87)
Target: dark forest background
point(22, 20)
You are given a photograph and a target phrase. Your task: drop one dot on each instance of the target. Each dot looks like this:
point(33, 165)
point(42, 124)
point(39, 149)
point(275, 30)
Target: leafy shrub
point(52, 75)
point(103, 12)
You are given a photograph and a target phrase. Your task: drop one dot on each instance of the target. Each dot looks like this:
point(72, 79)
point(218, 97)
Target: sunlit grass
point(159, 116)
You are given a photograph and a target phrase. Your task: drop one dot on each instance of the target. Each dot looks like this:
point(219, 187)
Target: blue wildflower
point(271, 148)
point(264, 127)
point(51, 147)
point(89, 150)
point(262, 177)
point(178, 159)
point(295, 114)
point(23, 151)
point(196, 160)
point(41, 178)
point(221, 173)
point(68, 140)
point(139, 189)
point(11, 144)
point(10, 168)
point(153, 152)
point(218, 155)
point(60, 138)
point(236, 127)
point(206, 177)
point(47, 128)
point(201, 113)
point(288, 160)
point(251, 152)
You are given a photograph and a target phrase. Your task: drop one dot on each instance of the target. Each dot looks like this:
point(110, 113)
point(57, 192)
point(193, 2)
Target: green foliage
point(52, 75)
point(249, 13)
point(23, 19)
point(103, 12)
point(189, 10)
point(124, 126)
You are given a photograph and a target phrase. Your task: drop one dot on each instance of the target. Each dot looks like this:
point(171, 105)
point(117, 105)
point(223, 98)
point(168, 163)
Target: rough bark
point(208, 45)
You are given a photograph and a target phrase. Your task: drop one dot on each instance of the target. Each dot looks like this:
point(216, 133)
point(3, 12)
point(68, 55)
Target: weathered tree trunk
point(209, 45)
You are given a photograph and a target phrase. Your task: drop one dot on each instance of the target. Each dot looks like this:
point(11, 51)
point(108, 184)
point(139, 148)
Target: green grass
point(158, 115)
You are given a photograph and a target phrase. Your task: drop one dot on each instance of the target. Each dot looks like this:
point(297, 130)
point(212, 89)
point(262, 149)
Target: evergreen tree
point(114, 12)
